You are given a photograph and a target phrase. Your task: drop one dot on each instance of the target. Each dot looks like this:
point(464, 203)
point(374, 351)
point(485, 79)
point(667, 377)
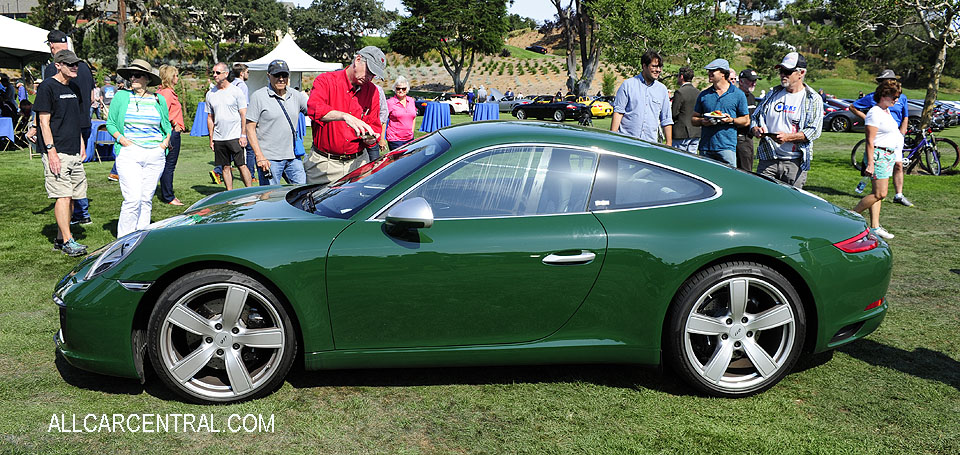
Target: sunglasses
point(402, 88)
point(786, 72)
point(137, 74)
point(281, 75)
point(72, 65)
point(219, 72)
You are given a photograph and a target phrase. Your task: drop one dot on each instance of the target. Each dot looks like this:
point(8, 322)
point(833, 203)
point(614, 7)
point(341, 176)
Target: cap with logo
point(56, 36)
point(278, 66)
point(718, 64)
point(887, 74)
point(376, 61)
point(792, 61)
point(66, 56)
point(749, 75)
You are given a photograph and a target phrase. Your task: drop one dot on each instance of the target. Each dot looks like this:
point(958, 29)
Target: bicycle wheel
point(856, 156)
point(949, 154)
point(931, 161)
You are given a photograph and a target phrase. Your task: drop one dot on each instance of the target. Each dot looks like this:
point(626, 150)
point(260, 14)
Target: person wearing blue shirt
point(719, 110)
point(642, 105)
point(900, 114)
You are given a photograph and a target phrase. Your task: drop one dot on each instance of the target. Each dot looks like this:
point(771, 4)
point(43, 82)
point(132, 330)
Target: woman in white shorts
point(140, 122)
point(883, 142)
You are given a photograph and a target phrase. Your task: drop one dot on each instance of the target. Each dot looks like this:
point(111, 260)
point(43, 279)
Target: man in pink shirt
point(345, 109)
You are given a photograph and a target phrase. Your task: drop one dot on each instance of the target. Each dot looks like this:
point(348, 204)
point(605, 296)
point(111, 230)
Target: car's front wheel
point(219, 336)
point(521, 114)
point(839, 124)
point(735, 329)
point(558, 115)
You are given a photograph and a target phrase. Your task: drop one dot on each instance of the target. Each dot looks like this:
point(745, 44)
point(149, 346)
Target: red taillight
point(873, 305)
point(570, 106)
point(864, 241)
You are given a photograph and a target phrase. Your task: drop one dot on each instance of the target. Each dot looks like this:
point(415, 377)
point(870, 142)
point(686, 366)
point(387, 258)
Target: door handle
point(585, 257)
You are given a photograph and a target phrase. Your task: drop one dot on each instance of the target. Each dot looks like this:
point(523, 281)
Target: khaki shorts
point(72, 181)
point(323, 170)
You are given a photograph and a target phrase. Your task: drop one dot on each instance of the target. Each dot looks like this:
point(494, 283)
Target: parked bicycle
point(933, 154)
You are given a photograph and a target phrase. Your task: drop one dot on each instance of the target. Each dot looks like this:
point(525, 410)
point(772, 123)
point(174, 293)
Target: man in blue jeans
point(271, 128)
point(719, 110)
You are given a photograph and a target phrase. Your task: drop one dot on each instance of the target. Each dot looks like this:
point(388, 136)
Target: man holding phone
point(788, 120)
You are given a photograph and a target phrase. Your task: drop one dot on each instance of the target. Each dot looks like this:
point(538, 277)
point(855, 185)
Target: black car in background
point(544, 107)
point(838, 118)
point(537, 49)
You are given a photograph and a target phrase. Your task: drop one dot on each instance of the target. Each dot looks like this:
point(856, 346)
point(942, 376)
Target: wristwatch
point(49, 146)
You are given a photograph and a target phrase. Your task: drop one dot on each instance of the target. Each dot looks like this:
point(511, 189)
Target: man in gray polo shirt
point(642, 105)
point(271, 132)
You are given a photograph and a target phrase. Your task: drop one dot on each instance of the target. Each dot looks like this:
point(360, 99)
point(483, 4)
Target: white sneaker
point(883, 233)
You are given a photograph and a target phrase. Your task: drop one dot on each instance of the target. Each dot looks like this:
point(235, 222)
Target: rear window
point(624, 183)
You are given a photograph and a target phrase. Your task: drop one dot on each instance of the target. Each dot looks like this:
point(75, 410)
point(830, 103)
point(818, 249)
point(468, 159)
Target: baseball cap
point(66, 56)
point(376, 61)
point(749, 75)
point(718, 64)
point(792, 61)
point(56, 36)
point(887, 74)
point(277, 66)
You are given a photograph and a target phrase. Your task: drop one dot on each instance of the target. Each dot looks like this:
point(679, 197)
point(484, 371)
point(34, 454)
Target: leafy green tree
point(216, 21)
point(517, 22)
point(684, 29)
point(457, 29)
point(609, 87)
point(746, 7)
point(332, 29)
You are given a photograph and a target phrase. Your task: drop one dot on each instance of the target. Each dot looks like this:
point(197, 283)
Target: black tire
point(734, 347)
point(839, 124)
point(931, 161)
point(520, 114)
point(242, 356)
point(451, 109)
point(559, 115)
point(856, 155)
point(913, 123)
point(949, 154)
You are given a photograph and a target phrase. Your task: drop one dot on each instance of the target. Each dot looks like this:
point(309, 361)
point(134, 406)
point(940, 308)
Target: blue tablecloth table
point(435, 116)
point(200, 121)
point(486, 111)
point(6, 127)
point(99, 134)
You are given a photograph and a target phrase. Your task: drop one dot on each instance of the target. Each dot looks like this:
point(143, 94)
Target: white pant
point(139, 170)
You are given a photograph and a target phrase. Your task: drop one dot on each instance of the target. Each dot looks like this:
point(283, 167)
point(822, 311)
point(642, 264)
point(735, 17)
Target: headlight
point(115, 252)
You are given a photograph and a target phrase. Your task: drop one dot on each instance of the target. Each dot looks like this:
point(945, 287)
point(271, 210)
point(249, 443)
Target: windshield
point(355, 190)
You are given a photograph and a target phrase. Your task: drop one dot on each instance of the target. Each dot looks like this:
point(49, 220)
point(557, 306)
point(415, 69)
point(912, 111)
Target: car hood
point(265, 203)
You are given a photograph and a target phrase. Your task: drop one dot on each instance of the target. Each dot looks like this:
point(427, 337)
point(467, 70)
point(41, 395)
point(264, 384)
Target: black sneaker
point(73, 249)
point(57, 244)
point(85, 221)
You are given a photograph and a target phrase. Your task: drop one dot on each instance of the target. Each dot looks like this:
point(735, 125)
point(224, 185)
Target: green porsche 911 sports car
point(490, 243)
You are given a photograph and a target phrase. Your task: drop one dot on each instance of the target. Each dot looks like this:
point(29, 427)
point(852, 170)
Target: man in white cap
point(900, 114)
point(788, 120)
point(345, 109)
point(719, 110)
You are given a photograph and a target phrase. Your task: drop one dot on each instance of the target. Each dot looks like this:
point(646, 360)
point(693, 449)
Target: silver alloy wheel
point(739, 333)
point(521, 114)
point(558, 115)
point(222, 340)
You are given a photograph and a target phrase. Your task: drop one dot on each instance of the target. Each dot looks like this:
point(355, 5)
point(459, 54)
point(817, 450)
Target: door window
point(512, 181)
point(624, 183)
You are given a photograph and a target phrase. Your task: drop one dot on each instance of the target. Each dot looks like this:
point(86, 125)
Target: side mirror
point(413, 213)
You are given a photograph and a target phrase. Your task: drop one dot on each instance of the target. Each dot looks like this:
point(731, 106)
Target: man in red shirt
point(345, 108)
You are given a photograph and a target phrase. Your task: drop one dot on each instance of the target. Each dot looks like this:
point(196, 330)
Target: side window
point(624, 183)
point(512, 181)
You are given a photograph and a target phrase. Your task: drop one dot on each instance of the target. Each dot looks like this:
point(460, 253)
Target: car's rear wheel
point(219, 336)
point(839, 124)
point(521, 114)
point(735, 329)
point(558, 115)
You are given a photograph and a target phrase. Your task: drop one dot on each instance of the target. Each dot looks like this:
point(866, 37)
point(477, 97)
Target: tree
point(745, 7)
point(215, 21)
point(578, 23)
point(457, 29)
point(687, 29)
point(331, 29)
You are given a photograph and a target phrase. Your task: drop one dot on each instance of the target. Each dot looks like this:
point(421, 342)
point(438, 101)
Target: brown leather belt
point(334, 156)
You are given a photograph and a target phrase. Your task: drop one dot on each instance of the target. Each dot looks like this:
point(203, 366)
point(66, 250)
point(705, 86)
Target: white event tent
point(299, 62)
point(21, 43)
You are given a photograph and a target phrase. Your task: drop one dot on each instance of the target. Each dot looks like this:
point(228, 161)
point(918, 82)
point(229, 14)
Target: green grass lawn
point(895, 392)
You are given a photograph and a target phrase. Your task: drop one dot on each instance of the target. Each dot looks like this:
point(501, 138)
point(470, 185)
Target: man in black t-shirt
point(57, 41)
point(59, 113)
